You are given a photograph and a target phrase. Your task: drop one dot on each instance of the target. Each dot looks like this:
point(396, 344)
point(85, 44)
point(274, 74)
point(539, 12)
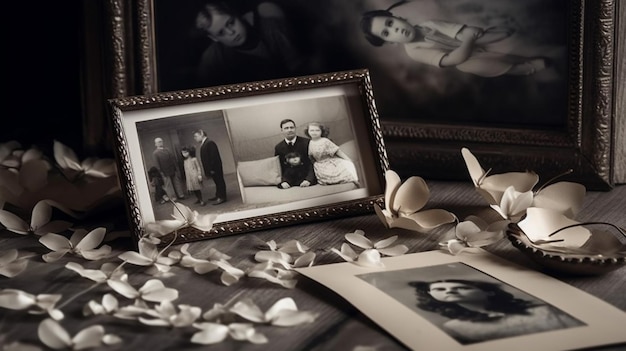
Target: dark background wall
point(42, 86)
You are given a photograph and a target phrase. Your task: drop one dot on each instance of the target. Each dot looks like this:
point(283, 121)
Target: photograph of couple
point(245, 158)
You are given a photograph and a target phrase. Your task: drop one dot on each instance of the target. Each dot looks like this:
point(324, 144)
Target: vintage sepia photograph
point(469, 305)
point(253, 155)
point(476, 301)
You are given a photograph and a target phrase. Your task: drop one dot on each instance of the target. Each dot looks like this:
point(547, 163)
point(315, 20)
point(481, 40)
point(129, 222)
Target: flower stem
point(75, 296)
point(553, 179)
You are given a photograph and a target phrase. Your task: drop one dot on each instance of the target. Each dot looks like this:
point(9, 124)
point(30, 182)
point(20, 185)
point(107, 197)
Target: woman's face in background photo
point(392, 29)
point(185, 153)
point(457, 292)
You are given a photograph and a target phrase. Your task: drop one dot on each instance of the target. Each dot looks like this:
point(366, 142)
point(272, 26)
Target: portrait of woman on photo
point(480, 311)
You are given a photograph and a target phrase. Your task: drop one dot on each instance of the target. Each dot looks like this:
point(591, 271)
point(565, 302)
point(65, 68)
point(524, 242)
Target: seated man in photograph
point(293, 143)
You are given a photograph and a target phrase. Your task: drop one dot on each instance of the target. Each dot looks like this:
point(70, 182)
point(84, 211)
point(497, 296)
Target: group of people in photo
point(165, 177)
point(305, 161)
point(313, 159)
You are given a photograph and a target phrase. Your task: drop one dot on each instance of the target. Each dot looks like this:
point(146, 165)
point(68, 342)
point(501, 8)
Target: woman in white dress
point(331, 165)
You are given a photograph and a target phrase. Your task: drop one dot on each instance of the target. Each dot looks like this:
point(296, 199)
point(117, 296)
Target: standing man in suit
point(294, 143)
point(212, 164)
point(166, 163)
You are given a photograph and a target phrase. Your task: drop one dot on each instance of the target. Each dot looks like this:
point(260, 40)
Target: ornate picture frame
point(580, 137)
point(245, 124)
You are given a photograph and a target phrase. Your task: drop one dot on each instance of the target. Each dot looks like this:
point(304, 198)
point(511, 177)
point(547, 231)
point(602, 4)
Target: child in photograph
point(193, 173)
point(295, 171)
point(331, 165)
point(156, 181)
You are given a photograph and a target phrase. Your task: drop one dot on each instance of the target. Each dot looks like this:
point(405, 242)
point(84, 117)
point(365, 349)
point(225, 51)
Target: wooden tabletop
point(339, 326)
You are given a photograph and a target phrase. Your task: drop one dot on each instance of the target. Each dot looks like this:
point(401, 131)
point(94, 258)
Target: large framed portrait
point(529, 85)
point(253, 155)
point(436, 301)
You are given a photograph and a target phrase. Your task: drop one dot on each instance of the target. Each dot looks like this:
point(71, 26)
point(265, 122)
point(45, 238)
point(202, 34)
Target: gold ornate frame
point(363, 118)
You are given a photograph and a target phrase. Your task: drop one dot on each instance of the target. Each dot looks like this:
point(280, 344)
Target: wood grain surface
point(339, 325)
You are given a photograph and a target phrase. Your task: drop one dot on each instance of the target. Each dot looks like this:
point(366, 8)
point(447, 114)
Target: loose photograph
point(469, 305)
point(475, 301)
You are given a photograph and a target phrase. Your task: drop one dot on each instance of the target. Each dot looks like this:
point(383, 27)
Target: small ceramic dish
point(578, 261)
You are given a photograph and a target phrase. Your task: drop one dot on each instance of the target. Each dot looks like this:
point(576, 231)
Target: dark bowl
point(574, 264)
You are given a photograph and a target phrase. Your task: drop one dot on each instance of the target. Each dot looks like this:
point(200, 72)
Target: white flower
point(493, 187)
point(73, 168)
point(13, 263)
point(165, 315)
point(153, 290)
point(274, 274)
point(148, 255)
point(283, 313)
point(513, 204)
point(474, 232)
point(370, 256)
point(218, 260)
point(22, 170)
point(82, 243)
point(53, 335)
point(35, 304)
point(107, 271)
point(40, 223)
point(213, 333)
point(404, 202)
point(183, 217)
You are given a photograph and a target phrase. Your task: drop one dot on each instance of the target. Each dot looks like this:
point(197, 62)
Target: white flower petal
point(293, 247)
point(96, 254)
point(55, 242)
point(53, 335)
point(359, 240)
point(42, 212)
point(211, 333)
point(16, 299)
point(272, 256)
point(89, 337)
point(93, 274)
point(123, 288)
point(369, 258)
point(306, 260)
point(385, 242)
point(287, 283)
point(429, 219)
point(392, 183)
point(54, 255)
point(135, 258)
point(412, 196)
point(111, 339)
point(92, 239)
point(247, 309)
point(13, 222)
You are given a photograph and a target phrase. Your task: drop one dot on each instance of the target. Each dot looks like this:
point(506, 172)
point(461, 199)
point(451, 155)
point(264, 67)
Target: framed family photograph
point(436, 301)
point(526, 84)
point(253, 155)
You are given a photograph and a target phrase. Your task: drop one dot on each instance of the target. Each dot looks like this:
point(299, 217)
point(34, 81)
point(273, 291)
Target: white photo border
point(603, 322)
point(354, 85)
